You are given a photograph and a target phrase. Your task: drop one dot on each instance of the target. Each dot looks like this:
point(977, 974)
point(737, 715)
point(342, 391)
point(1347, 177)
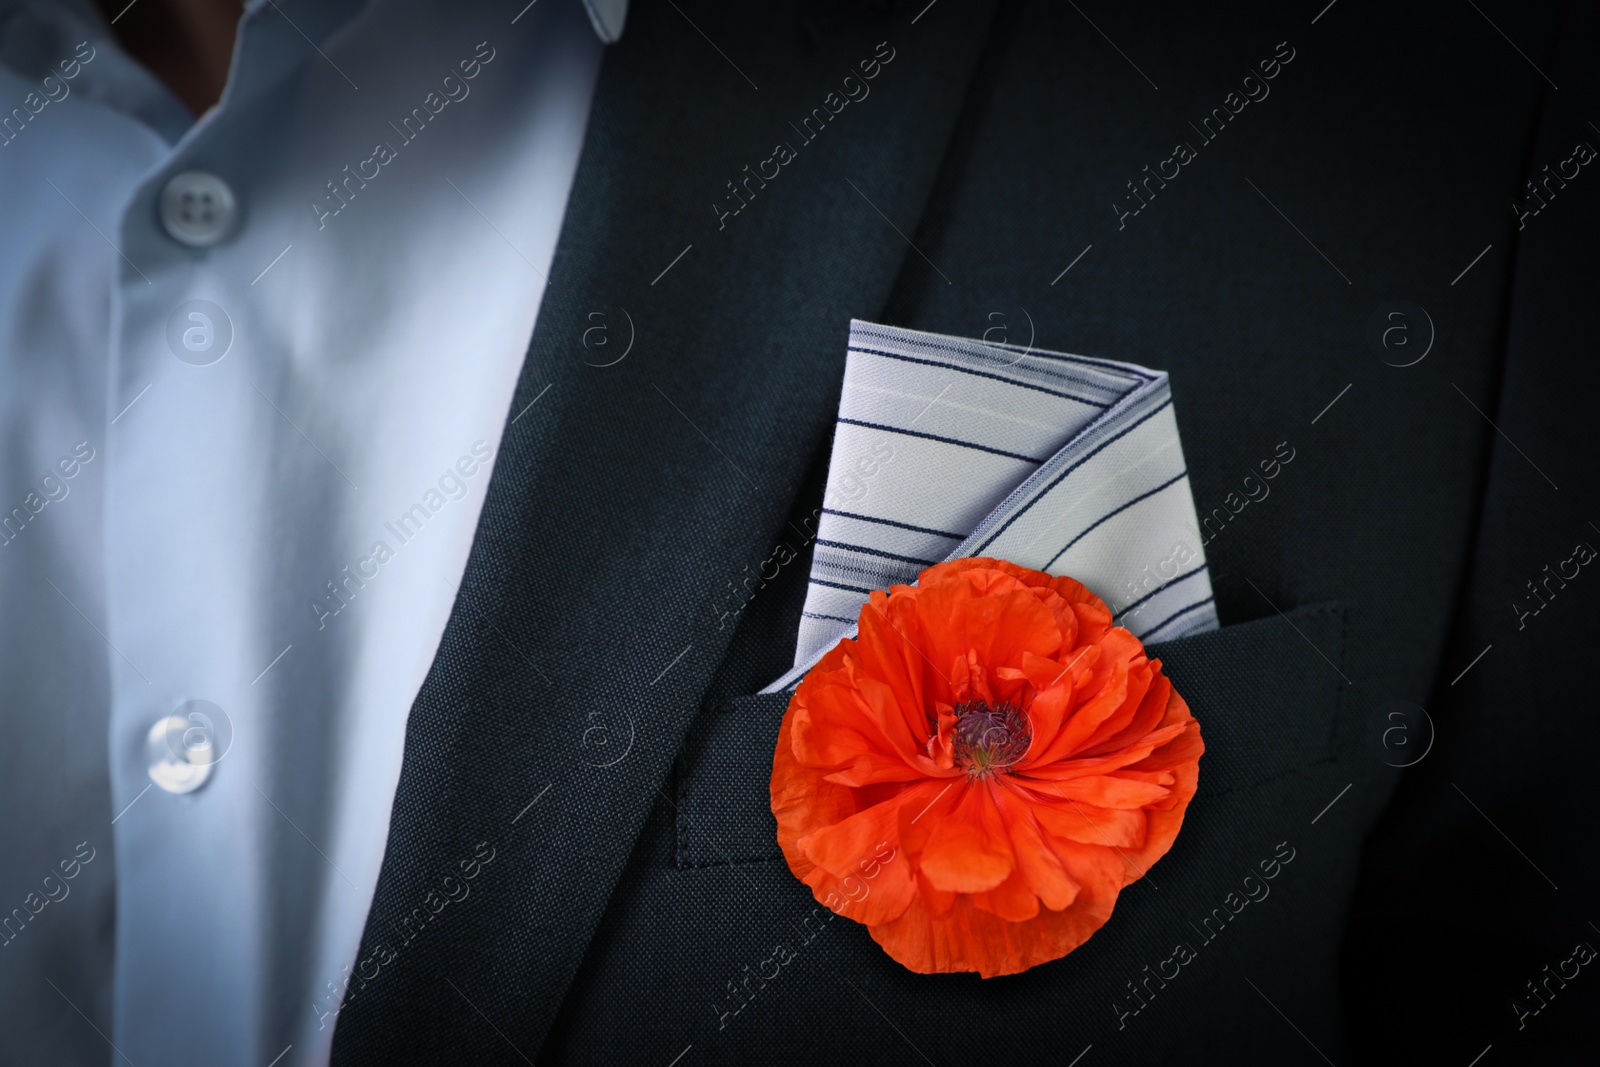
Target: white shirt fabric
point(280, 532)
point(948, 447)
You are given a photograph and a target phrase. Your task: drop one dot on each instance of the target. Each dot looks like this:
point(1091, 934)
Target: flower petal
point(1086, 824)
point(1105, 791)
point(852, 875)
point(969, 850)
point(1012, 900)
point(1038, 864)
point(900, 812)
point(999, 627)
point(967, 938)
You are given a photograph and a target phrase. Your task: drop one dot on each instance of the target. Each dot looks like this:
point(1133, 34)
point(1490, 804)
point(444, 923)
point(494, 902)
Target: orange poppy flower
point(977, 775)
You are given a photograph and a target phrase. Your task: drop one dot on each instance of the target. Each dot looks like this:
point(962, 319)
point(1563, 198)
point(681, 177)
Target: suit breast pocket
point(1266, 694)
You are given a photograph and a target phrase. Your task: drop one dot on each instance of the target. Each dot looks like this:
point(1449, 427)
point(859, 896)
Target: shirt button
point(198, 208)
point(180, 754)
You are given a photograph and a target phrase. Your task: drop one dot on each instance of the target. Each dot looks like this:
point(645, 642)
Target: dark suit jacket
point(1243, 195)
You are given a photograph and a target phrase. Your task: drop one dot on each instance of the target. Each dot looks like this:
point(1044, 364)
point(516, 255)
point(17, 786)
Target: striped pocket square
point(948, 447)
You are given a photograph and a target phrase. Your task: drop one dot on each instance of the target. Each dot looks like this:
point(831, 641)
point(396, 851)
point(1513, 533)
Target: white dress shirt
point(247, 419)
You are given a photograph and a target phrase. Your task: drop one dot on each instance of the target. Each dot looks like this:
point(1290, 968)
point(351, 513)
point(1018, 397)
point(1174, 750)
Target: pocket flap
point(1266, 694)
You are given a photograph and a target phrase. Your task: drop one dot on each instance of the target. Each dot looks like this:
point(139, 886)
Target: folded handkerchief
point(948, 447)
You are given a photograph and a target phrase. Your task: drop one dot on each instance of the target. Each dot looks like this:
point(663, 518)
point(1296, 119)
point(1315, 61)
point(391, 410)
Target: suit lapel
point(626, 497)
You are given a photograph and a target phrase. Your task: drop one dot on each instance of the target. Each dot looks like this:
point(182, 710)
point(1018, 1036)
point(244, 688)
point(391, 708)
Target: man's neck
point(186, 43)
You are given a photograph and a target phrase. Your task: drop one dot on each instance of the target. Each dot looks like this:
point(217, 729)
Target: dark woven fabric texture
point(638, 911)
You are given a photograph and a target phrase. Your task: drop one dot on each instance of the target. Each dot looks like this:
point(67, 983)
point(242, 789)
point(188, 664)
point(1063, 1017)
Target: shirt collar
point(607, 17)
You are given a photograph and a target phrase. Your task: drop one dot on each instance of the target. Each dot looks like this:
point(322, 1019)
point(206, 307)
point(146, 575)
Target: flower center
point(989, 740)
